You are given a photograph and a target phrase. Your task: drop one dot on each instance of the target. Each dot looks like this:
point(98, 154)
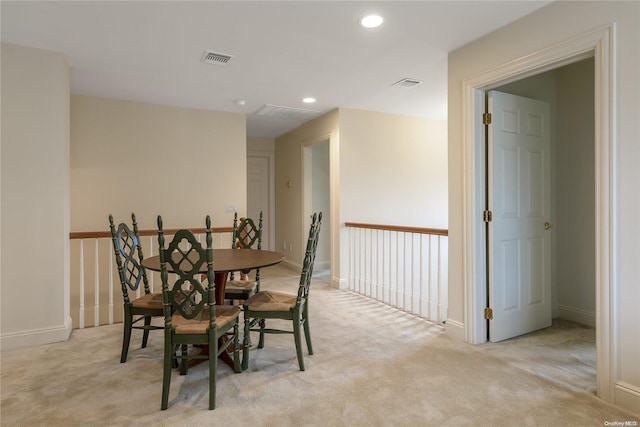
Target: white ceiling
point(282, 51)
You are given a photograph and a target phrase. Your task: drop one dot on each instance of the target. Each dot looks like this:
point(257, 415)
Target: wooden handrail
point(400, 228)
point(101, 234)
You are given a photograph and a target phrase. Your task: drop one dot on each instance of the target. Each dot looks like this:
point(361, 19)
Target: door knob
point(547, 225)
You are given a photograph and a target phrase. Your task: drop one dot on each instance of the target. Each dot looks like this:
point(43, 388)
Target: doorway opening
point(317, 198)
point(570, 94)
point(598, 44)
point(570, 340)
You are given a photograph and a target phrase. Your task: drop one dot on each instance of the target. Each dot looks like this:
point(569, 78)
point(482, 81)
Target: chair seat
point(200, 324)
point(240, 289)
point(270, 301)
point(240, 285)
point(148, 301)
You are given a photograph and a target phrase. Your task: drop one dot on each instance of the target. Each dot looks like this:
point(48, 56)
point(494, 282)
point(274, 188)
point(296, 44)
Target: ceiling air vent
point(290, 113)
point(215, 58)
point(407, 83)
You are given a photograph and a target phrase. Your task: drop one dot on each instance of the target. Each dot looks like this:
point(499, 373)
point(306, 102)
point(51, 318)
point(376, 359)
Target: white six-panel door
point(258, 196)
point(519, 198)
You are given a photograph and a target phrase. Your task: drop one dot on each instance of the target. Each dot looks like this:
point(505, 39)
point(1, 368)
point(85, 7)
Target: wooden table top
point(225, 260)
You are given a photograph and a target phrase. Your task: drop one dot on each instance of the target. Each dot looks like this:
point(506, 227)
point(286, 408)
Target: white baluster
point(434, 282)
point(443, 275)
point(393, 266)
point(360, 270)
point(374, 264)
point(368, 262)
point(407, 272)
point(385, 254)
point(416, 264)
point(424, 276)
point(81, 311)
point(354, 259)
point(111, 287)
point(150, 273)
point(96, 315)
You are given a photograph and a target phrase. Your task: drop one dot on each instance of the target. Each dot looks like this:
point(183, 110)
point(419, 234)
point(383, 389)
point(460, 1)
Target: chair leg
point(298, 341)
point(245, 342)
point(166, 372)
point(236, 349)
point(145, 334)
point(127, 334)
point(183, 361)
point(263, 324)
point(307, 333)
point(213, 368)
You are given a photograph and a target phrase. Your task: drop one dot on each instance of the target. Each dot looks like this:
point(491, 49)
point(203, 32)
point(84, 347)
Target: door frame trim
point(599, 43)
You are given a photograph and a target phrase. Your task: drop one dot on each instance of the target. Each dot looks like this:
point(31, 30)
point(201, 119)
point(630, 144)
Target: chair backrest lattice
point(309, 257)
point(128, 251)
point(246, 235)
point(187, 294)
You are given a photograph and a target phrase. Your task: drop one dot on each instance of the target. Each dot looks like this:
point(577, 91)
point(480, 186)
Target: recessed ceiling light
point(371, 21)
point(309, 100)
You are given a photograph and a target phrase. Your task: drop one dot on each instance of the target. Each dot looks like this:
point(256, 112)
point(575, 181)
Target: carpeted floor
point(373, 366)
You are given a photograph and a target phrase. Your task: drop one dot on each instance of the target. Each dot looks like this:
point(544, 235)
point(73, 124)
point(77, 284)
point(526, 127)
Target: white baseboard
point(317, 265)
point(339, 283)
point(577, 315)
point(627, 396)
point(455, 329)
point(291, 265)
point(321, 265)
point(36, 337)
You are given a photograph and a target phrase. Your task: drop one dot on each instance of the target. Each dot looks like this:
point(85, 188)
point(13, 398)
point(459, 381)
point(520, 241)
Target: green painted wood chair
point(278, 305)
point(246, 235)
point(191, 315)
point(128, 252)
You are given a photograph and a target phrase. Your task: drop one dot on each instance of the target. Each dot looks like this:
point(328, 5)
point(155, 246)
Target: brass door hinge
point(486, 119)
point(487, 216)
point(488, 313)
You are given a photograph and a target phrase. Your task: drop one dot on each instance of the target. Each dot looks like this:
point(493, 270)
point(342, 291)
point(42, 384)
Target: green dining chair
point(278, 305)
point(246, 235)
point(128, 252)
point(191, 316)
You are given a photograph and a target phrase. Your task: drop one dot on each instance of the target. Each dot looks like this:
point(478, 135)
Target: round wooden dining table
point(225, 261)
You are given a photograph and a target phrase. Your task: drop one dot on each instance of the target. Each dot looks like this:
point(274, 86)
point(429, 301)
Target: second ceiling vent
point(216, 58)
point(407, 83)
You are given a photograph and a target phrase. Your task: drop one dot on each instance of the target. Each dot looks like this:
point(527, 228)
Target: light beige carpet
point(373, 366)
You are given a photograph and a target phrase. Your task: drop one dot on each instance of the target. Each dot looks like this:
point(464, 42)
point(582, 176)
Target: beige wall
point(259, 144)
point(385, 169)
point(35, 197)
point(557, 22)
point(393, 169)
point(150, 159)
